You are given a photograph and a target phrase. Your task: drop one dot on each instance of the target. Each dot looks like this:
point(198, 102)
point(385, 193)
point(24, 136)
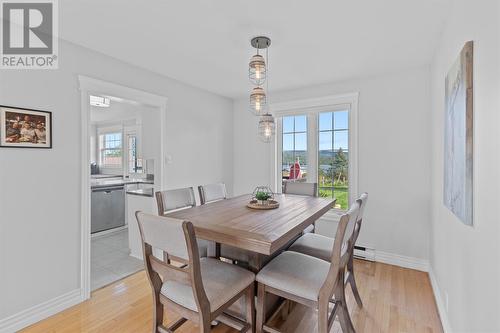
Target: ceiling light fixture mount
point(260, 42)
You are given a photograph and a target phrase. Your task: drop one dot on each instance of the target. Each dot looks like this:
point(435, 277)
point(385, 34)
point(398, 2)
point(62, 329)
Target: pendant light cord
point(267, 78)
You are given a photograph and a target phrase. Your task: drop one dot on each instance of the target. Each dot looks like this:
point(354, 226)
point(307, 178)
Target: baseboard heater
point(364, 253)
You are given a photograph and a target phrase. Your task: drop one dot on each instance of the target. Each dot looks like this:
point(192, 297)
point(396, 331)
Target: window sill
point(111, 167)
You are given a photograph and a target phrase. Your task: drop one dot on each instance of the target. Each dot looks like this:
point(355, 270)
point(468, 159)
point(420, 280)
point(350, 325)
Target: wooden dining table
point(263, 233)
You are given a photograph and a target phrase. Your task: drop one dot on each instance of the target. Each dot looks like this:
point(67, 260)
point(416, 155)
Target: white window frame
point(128, 131)
point(311, 108)
point(109, 130)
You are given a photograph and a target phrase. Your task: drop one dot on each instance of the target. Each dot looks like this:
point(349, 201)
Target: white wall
point(466, 260)
point(117, 111)
point(40, 189)
point(393, 153)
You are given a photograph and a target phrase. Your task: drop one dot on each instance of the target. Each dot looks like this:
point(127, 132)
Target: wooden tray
point(272, 204)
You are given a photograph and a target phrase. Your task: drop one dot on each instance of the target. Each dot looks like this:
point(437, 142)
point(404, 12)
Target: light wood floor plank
point(395, 300)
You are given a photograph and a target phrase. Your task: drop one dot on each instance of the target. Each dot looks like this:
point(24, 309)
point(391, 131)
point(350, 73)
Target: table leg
point(217, 250)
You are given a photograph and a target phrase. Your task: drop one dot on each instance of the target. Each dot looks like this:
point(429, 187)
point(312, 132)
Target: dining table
point(263, 233)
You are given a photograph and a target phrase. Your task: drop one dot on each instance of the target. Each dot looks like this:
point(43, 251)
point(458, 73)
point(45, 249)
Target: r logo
point(27, 28)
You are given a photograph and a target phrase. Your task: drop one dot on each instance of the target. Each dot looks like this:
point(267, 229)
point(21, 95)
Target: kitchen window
point(134, 164)
point(110, 150)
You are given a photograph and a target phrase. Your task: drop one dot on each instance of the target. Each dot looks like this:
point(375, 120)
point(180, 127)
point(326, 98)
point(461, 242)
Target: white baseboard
point(41, 311)
point(108, 232)
point(402, 261)
point(443, 315)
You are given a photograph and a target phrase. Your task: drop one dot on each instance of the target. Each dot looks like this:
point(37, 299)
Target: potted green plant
point(262, 198)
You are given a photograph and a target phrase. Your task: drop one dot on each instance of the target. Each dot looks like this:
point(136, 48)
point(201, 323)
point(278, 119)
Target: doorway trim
point(87, 86)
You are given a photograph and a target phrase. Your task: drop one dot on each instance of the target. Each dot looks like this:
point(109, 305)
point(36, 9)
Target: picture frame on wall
point(25, 128)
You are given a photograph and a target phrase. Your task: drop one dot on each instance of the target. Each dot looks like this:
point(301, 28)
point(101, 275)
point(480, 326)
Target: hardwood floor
point(395, 300)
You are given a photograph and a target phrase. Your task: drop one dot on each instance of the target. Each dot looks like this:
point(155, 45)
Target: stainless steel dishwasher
point(107, 208)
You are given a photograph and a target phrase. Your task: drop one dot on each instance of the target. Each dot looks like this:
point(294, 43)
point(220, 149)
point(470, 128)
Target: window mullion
point(312, 147)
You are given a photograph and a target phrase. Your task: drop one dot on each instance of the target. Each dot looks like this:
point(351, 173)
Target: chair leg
point(261, 308)
point(205, 325)
point(323, 318)
point(343, 322)
point(352, 281)
point(344, 311)
point(250, 307)
point(157, 313)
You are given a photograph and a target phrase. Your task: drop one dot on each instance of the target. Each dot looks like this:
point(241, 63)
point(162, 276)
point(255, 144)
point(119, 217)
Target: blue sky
point(332, 126)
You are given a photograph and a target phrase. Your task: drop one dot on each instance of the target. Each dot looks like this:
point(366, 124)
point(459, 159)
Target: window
point(322, 134)
point(294, 149)
point(134, 164)
point(333, 156)
point(110, 150)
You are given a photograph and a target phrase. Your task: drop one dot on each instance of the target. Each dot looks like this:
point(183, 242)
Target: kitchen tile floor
point(110, 260)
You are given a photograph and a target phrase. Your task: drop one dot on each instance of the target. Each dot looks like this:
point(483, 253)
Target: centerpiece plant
point(262, 197)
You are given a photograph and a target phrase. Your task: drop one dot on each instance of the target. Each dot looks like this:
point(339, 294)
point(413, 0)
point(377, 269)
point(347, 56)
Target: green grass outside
point(340, 192)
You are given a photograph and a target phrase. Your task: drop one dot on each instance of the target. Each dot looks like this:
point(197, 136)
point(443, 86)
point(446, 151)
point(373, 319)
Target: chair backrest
point(362, 200)
point(163, 233)
point(301, 188)
point(340, 251)
point(174, 199)
point(176, 238)
point(212, 192)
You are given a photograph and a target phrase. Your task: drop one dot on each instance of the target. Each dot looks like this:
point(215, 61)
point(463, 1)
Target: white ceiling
point(205, 43)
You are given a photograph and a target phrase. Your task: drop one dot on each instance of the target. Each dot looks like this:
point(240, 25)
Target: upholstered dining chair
point(200, 290)
point(182, 198)
point(320, 246)
point(301, 188)
point(216, 192)
point(311, 281)
point(212, 192)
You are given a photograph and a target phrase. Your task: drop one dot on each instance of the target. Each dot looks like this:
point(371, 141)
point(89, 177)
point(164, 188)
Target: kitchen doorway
point(116, 162)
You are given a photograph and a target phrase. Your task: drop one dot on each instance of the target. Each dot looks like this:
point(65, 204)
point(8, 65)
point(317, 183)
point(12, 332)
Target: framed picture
point(458, 137)
point(25, 128)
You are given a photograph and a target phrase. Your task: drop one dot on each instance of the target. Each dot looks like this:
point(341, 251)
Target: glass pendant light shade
point(267, 127)
point(257, 70)
point(258, 101)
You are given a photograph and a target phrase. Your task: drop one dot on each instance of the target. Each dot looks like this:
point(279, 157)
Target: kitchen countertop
point(98, 183)
point(145, 192)
point(102, 176)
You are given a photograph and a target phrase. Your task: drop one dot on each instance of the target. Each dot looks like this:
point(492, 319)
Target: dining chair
point(216, 192)
point(310, 281)
point(212, 192)
point(363, 199)
point(301, 188)
point(320, 246)
point(202, 288)
point(182, 198)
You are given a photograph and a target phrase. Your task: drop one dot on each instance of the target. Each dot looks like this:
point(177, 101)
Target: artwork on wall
point(25, 128)
point(458, 137)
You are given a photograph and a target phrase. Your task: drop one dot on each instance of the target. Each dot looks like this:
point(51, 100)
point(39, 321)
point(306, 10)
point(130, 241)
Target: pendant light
point(257, 73)
point(267, 128)
point(258, 101)
point(257, 70)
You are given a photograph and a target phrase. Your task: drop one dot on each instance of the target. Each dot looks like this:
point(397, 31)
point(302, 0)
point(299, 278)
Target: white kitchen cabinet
point(137, 203)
